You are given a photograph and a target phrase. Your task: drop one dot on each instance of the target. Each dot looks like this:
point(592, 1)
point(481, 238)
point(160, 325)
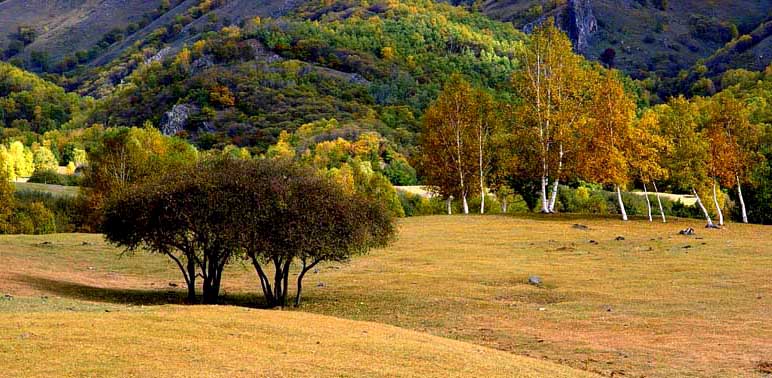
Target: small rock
point(542, 309)
point(172, 284)
point(321, 284)
point(9, 297)
point(534, 280)
point(619, 238)
point(607, 308)
point(24, 335)
point(687, 246)
point(316, 270)
point(593, 242)
point(580, 226)
point(91, 268)
point(86, 243)
point(687, 231)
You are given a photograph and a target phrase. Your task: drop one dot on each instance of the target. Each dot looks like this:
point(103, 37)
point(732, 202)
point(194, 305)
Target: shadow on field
point(81, 291)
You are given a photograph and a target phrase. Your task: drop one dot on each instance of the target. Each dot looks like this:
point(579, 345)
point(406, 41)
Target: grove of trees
point(269, 212)
point(577, 121)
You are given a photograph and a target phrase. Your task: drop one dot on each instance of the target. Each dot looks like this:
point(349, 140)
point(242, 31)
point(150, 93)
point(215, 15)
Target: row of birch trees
point(572, 119)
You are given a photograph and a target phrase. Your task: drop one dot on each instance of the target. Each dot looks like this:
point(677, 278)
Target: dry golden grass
point(655, 304)
point(176, 341)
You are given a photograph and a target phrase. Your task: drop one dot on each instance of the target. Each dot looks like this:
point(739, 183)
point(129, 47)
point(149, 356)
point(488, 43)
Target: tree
point(7, 198)
point(44, 159)
point(186, 214)
point(122, 157)
point(486, 128)
point(292, 213)
point(450, 149)
point(606, 142)
point(550, 88)
point(646, 150)
point(687, 161)
point(734, 146)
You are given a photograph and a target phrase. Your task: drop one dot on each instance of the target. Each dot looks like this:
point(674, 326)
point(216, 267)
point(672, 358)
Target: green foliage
point(50, 176)
point(40, 105)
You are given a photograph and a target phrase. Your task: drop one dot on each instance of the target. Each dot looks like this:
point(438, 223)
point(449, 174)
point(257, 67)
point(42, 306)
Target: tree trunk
point(659, 201)
point(718, 207)
point(555, 185)
point(191, 281)
point(448, 202)
point(742, 200)
point(702, 207)
point(504, 205)
point(482, 176)
point(554, 196)
point(466, 204)
point(621, 204)
point(544, 204)
point(265, 283)
point(648, 203)
point(302, 274)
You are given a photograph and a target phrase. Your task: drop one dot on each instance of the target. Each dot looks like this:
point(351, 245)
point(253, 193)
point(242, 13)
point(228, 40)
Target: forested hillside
point(345, 86)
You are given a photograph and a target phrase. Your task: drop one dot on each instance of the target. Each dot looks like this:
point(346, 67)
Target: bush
point(49, 176)
point(416, 205)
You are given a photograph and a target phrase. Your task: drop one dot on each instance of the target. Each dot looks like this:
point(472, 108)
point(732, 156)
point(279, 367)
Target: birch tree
point(646, 150)
point(487, 125)
point(450, 161)
point(605, 143)
point(734, 146)
point(547, 85)
point(687, 161)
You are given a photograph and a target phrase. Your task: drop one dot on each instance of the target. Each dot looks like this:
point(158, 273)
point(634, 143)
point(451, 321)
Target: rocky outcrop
point(575, 18)
point(580, 23)
point(176, 119)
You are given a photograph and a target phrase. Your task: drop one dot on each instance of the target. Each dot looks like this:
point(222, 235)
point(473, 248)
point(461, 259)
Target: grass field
point(655, 304)
point(55, 190)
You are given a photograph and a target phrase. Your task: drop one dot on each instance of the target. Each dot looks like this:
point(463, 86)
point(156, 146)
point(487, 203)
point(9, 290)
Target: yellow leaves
point(388, 53)
point(198, 47)
point(221, 95)
point(183, 58)
point(231, 32)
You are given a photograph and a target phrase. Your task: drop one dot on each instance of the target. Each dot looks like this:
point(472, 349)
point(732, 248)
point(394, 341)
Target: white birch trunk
point(648, 203)
point(742, 200)
point(449, 205)
point(554, 196)
point(466, 205)
point(621, 204)
point(544, 204)
point(659, 201)
point(702, 207)
point(555, 185)
point(504, 205)
point(718, 207)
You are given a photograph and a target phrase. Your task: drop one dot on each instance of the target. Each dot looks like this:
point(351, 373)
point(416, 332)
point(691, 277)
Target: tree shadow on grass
point(75, 290)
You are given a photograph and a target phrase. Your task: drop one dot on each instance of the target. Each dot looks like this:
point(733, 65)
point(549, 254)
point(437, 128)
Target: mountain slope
point(63, 27)
point(657, 36)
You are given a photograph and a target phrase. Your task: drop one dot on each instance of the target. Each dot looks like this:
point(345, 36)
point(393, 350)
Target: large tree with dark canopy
point(291, 213)
point(188, 215)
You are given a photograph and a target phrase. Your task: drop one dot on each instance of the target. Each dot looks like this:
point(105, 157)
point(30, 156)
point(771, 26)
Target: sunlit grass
point(655, 304)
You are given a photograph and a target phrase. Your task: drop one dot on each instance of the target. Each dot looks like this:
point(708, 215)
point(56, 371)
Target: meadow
point(449, 298)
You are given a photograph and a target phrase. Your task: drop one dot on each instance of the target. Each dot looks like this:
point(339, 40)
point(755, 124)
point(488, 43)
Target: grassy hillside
point(655, 304)
point(62, 27)
point(173, 341)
